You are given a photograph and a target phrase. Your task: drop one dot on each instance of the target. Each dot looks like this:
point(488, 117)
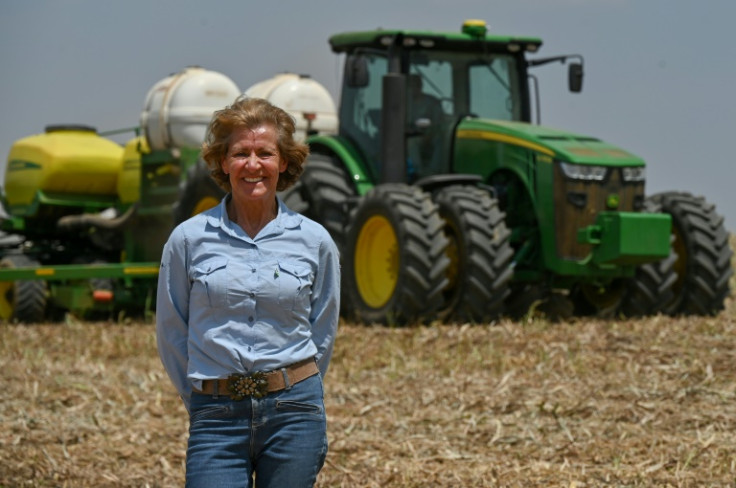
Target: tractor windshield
point(442, 88)
point(485, 86)
point(445, 86)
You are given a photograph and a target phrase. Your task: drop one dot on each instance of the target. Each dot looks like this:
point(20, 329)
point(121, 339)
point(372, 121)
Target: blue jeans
point(281, 438)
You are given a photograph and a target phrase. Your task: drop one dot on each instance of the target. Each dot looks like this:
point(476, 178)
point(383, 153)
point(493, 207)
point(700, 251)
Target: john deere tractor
point(448, 202)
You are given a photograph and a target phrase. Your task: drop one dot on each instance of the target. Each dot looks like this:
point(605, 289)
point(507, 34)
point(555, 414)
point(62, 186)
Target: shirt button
point(253, 270)
point(250, 319)
point(252, 295)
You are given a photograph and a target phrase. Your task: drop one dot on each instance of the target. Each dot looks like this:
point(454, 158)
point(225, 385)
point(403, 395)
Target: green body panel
point(360, 172)
point(557, 144)
point(528, 152)
point(76, 272)
point(628, 238)
point(488, 147)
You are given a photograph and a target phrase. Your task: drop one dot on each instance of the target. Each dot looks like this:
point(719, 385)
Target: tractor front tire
point(22, 301)
point(480, 254)
point(703, 255)
point(651, 288)
point(396, 264)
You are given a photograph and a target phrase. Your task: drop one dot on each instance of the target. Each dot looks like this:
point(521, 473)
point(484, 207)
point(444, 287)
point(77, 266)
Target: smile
point(252, 180)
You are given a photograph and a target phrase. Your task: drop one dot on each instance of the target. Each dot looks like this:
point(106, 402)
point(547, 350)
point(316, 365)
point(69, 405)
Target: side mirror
point(575, 77)
point(356, 71)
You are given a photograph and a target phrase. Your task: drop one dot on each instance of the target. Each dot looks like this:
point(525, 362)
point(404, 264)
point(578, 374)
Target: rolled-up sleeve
point(172, 310)
point(325, 307)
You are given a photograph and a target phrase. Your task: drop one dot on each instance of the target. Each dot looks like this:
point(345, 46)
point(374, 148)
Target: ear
point(223, 166)
point(283, 164)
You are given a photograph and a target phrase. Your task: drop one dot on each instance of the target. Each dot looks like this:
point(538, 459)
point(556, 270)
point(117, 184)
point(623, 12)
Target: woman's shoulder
point(295, 219)
point(196, 226)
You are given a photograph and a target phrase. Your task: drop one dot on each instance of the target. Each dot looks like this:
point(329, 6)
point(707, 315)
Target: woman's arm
point(326, 303)
point(172, 313)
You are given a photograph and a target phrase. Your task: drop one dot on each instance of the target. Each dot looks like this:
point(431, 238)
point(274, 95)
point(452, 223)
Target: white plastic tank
point(179, 108)
point(303, 98)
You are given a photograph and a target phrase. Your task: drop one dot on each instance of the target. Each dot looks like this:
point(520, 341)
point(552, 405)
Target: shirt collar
point(285, 218)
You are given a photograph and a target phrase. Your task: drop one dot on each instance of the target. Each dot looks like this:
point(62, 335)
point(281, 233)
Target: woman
point(247, 311)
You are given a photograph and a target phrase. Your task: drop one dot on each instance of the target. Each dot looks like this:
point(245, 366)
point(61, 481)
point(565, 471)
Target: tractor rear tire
point(22, 301)
point(480, 254)
point(650, 290)
point(396, 264)
point(321, 194)
point(199, 193)
point(703, 262)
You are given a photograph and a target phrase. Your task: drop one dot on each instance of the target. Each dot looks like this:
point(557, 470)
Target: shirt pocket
point(210, 282)
point(295, 283)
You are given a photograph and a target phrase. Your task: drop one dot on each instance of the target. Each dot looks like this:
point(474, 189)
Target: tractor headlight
point(584, 172)
point(634, 173)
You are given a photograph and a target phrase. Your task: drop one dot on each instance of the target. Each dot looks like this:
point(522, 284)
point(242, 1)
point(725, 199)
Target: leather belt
point(258, 384)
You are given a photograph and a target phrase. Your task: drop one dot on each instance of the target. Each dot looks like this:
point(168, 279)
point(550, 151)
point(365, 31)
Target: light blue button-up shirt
point(228, 303)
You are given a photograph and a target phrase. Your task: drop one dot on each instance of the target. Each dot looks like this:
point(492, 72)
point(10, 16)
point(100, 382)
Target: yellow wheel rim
point(204, 204)
point(376, 261)
point(6, 300)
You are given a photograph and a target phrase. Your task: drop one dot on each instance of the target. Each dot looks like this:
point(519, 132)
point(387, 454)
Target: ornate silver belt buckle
point(245, 385)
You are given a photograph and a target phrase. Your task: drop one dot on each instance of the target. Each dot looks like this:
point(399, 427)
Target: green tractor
point(449, 203)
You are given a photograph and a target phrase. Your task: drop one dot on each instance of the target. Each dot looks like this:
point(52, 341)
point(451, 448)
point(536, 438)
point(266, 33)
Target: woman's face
point(253, 163)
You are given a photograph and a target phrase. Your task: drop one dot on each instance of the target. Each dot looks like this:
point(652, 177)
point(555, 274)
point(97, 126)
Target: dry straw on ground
point(599, 402)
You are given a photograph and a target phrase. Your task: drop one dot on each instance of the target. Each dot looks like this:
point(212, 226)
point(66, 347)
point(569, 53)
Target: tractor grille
point(578, 202)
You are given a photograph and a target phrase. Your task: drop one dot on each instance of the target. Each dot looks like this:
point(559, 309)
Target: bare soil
point(589, 402)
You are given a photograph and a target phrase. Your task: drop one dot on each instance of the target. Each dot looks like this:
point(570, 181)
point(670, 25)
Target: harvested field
point(532, 403)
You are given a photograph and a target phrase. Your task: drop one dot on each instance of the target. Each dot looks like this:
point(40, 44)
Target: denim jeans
point(280, 438)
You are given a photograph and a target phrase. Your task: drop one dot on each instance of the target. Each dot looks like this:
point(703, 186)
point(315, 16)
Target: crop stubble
point(589, 402)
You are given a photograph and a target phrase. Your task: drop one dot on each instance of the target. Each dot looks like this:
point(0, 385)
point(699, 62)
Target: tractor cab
point(419, 85)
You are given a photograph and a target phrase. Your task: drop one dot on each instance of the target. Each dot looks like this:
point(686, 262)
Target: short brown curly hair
point(250, 113)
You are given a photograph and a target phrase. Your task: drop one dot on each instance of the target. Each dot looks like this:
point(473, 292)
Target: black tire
point(703, 262)
point(651, 288)
point(322, 194)
point(22, 301)
point(199, 193)
point(480, 254)
point(396, 264)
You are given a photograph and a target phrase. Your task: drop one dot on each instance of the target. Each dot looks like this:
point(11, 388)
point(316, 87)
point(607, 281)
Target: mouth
point(253, 180)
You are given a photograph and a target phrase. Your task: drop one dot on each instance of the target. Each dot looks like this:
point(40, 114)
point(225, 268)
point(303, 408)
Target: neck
point(252, 217)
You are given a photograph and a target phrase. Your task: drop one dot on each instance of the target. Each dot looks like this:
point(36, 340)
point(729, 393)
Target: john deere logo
point(612, 201)
point(20, 165)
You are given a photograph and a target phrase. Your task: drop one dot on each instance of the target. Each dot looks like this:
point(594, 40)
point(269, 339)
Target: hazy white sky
point(659, 78)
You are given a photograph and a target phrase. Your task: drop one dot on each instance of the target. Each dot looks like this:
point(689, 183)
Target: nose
point(251, 161)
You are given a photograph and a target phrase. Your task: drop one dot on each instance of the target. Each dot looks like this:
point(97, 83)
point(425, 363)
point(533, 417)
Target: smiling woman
point(247, 310)
point(253, 165)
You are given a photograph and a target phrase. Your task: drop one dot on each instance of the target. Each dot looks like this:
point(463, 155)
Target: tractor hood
point(557, 144)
